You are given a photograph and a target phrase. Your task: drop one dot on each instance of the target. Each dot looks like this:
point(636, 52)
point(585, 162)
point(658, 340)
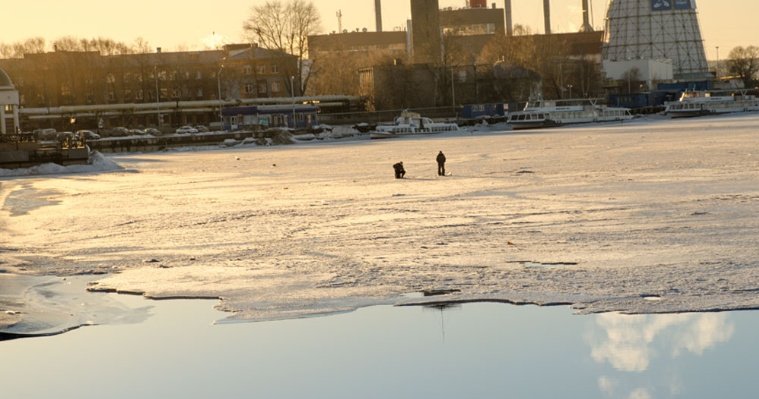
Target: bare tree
point(34, 45)
point(6, 51)
point(141, 46)
point(544, 54)
point(744, 62)
point(285, 27)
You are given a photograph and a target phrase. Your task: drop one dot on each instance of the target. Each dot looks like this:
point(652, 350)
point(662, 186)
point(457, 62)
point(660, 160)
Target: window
point(274, 68)
point(275, 87)
point(140, 95)
point(65, 89)
point(248, 70)
point(262, 87)
point(198, 75)
point(250, 88)
point(260, 69)
point(199, 93)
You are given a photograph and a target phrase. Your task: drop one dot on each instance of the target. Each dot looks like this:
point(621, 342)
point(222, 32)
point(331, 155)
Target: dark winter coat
point(440, 158)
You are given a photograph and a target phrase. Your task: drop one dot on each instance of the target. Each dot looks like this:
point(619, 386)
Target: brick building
point(155, 89)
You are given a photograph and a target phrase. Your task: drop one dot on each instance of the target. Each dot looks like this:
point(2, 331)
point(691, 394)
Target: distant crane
point(339, 21)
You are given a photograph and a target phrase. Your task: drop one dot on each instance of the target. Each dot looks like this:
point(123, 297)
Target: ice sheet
point(650, 216)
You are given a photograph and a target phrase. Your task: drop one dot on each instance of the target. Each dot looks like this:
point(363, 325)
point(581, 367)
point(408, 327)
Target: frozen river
point(653, 216)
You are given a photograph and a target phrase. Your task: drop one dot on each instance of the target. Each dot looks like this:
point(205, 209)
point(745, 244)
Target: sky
point(182, 25)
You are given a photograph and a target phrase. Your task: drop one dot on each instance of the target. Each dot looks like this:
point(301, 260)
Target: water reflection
point(468, 351)
point(631, 344)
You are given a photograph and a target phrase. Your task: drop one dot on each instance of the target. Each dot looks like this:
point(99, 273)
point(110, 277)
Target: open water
point(469, 351)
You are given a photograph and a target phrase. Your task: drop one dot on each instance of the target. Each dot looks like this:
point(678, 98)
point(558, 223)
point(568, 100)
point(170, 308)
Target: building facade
point(139, 90)
point(9, 119)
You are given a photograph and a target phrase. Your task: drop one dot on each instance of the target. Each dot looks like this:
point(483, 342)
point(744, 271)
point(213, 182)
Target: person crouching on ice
point(399, 171)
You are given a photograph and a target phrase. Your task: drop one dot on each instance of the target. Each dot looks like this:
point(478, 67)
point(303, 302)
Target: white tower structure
point(662, 31)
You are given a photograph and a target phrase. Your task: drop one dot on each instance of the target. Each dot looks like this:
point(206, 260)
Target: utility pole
point(339, 21)
point(292, 90)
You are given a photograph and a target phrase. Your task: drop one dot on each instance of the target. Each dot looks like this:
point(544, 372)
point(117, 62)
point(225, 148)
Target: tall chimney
point(378, 14)
point(509, 21)
point(586, 26)
point(547, 15)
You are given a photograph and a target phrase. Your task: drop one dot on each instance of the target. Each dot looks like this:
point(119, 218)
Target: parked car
point(45, 134)
point(136, 132)
point(88, 134)
point(186, 130)
point(153, 131)
point(118, 132)
point(202, 129)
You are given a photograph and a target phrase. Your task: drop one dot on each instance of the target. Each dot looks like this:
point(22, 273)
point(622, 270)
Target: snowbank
point(98, 163)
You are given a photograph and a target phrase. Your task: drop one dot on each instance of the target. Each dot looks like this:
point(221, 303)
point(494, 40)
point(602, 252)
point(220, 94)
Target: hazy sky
point(174, 24)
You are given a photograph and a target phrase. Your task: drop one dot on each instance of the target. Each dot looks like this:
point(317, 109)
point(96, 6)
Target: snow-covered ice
point(650, 216)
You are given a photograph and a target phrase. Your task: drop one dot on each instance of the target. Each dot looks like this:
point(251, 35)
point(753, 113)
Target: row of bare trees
point(104, 46)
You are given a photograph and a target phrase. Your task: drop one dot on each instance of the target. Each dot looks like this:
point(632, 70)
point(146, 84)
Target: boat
point(25, 150)
point(411, 123)
point(541, 113)
point(699, 103)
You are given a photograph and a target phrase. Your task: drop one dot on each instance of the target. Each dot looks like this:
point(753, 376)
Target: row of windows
point(187, 75)
point(261, 69)
point(261, 88)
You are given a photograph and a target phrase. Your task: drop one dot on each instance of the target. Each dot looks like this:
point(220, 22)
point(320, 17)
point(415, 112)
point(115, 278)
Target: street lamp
point(218, 85)
point(157, 95)
point(453, 89)
point(570, 91)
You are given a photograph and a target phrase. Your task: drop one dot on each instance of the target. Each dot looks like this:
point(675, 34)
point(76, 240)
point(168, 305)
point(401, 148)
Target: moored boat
point(700, 103)
point(541, 114)
point(411, 123)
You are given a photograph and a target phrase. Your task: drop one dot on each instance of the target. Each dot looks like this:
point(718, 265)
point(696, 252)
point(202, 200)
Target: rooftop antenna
point(339, 21)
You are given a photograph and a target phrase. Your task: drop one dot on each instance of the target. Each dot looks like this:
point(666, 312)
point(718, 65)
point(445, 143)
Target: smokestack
point(509, 22)
point(547, 15)
point(378, 14)
point(586, 26)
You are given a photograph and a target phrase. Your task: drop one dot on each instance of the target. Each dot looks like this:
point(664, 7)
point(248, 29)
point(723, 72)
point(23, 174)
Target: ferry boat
point(540, 114)
point(411, 123)
point(700, 103)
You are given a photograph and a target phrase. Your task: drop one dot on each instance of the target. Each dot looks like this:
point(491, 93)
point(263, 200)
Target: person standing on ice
point(440, 164)
point(399, 170)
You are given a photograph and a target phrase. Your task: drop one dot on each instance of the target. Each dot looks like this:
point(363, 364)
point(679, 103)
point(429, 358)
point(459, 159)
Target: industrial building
point(426, 42)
